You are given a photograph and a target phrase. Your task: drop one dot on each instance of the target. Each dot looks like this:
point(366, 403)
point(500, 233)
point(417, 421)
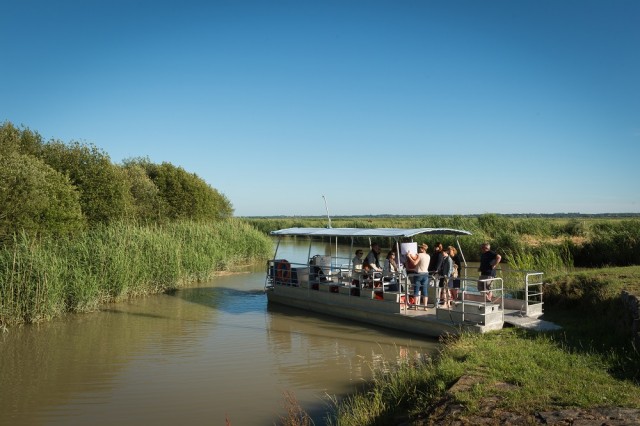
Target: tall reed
point(42, 279)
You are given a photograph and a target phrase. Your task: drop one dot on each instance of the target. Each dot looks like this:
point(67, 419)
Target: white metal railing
point(493, 291)
point(533, 291)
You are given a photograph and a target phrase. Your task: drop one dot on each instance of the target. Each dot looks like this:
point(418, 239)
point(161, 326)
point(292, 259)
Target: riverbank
point(41, 279)
point(588, 370)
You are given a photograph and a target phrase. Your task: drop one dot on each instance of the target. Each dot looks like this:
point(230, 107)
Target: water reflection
point(318, 344)
point(199, 355)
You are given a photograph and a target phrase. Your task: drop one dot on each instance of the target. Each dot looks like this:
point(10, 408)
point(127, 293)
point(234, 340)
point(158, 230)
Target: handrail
point(497, 286)
point(532, 296)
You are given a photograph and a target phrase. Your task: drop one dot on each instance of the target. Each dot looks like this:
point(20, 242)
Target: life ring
point(283, 272)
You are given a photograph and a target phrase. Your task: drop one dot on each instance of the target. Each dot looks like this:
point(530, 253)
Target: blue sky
point(398, 107)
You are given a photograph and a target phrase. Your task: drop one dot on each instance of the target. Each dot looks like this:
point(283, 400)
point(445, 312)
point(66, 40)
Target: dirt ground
point(446, 412)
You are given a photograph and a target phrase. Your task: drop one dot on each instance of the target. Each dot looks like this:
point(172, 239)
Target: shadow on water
point(139, 314)
point(227, 300)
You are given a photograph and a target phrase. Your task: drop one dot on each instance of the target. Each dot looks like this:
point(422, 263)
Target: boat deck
point(512, 317)
point(516, 319)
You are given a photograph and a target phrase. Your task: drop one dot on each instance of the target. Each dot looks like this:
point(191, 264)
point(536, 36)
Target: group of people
point(420, 266)
point(445, 263)
point(371, 264)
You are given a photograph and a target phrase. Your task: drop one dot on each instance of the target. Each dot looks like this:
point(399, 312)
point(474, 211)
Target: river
point(208, 354)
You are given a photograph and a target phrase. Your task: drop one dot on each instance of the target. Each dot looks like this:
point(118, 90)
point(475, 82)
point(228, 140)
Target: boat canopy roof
point(367, 232)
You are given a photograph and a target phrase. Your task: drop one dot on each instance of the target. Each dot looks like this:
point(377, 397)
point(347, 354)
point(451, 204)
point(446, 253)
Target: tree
point(186, 195)
point(148, 205)
point(22, 141)
point(36, 199)
point(103, 186)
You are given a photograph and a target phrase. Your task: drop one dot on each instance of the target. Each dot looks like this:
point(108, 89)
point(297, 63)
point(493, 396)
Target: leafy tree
point(148, 206)
point(22, 141)
point(186, 195)
point(103, 186)
point(36, 199)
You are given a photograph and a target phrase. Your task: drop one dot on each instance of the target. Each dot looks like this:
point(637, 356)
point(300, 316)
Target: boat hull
point(368, 308)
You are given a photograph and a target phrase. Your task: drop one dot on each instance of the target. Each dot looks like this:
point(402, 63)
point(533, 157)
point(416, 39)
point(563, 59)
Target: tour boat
point(331, 285)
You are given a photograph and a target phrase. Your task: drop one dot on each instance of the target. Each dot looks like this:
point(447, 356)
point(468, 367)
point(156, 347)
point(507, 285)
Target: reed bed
point(42, 279)
point(549, 244)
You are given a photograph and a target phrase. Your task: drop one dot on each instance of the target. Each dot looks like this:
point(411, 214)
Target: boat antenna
point(327, 209)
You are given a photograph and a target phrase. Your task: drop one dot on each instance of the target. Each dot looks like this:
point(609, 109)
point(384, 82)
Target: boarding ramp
point(475, 306)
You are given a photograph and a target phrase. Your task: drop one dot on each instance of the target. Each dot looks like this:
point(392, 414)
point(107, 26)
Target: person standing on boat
point(436, 260)
point(457, 270)
point(488, 262)
point(421, 279)
point(372, 261)
point(445, 272)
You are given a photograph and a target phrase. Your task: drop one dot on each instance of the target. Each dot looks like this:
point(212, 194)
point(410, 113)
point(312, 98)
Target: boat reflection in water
point(201, 355)
point(323, 338)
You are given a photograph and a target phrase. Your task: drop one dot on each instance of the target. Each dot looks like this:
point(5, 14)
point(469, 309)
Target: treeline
point(78, 231)
point(60, 189)
point(526, 243)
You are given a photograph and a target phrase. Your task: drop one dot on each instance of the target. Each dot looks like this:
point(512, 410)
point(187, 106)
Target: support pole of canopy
point(327, 209)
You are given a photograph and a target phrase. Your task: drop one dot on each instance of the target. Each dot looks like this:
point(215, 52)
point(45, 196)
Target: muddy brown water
point(203, 355)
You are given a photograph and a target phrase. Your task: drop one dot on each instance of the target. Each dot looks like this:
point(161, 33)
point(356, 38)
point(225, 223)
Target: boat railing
point(522, 290)
point(480, 300)
point(283, 272)
point(533, 291)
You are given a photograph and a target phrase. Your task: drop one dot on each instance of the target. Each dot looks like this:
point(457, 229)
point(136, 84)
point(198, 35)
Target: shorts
point(482, 285)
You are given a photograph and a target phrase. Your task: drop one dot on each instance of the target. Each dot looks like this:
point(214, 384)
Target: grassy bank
point(590, 363)
point(42, 279)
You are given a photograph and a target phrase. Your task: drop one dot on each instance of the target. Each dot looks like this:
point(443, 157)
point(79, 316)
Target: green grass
point(43, 279)
point(521, 372)
point(590, 363)
point(542, 370)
